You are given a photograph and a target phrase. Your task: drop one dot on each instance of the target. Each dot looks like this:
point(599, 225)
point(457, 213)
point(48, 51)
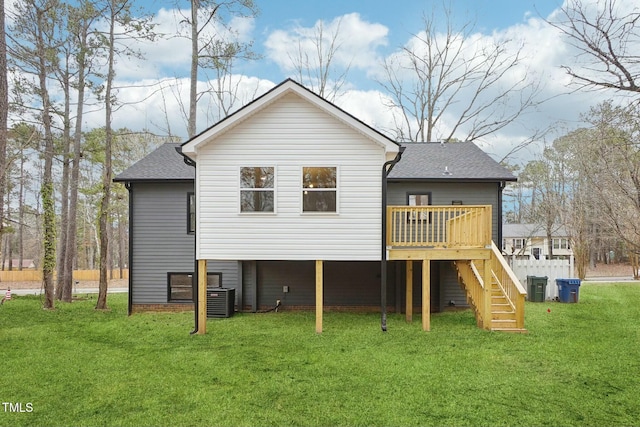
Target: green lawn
point(579, 365)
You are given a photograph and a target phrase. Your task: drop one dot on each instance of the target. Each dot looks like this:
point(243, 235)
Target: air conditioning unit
point(220, 302)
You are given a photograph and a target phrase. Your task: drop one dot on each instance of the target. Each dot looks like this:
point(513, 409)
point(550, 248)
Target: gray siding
point(160, 242)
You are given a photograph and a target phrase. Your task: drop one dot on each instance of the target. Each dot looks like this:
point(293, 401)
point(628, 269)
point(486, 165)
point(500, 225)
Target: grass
point(579, 365)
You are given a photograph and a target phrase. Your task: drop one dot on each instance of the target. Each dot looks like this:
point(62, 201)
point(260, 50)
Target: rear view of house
point(289, 200)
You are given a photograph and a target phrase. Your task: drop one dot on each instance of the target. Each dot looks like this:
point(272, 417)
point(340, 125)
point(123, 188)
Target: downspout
point(386, 169)
point(499, 235)
point(127, 185)
point(194, 276)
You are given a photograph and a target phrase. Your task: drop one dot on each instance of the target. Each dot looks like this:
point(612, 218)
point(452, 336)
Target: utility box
point(568, 290)
point(536, 288)
point(220, 302)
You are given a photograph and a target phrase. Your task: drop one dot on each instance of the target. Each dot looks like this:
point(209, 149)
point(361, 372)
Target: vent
point(220, 302)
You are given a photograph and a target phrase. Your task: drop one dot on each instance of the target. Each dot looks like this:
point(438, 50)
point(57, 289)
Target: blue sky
point(402, 17)
point(371, 31)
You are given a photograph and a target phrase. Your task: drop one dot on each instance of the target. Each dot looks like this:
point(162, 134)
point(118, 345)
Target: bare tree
point(83, 49)
point(4, 110)
point(452, 84)
point(314, 61)
point(208, 46)
point(612, 165)
point(118, 16)
point(606, 37)
point(36, 24)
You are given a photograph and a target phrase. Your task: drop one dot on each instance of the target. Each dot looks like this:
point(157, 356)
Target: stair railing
point(509, 283)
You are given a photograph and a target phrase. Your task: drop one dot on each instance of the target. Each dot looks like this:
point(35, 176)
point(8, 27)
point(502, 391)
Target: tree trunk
point(193, 83)
point(47, 189)
point(4, 111)
point(106, 174)
point(71, 248)
point(64, 196)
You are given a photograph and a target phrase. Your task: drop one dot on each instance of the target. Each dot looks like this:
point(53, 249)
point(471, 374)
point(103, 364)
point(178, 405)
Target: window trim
point(271, 189)
point(336, 189)
point(186, 273)
point(191, 223)
point(560, 240)
point(419, 193)
point(521, 240)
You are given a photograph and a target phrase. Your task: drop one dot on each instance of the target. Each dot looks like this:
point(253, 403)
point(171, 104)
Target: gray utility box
point(220, 302)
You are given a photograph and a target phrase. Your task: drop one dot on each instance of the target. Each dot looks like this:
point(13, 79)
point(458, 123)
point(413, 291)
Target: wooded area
point(589, 179)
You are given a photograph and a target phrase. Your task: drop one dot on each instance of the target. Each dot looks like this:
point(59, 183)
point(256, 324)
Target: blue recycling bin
point(568, 290)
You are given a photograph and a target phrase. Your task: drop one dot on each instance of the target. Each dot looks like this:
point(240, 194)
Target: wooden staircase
point(505, 310)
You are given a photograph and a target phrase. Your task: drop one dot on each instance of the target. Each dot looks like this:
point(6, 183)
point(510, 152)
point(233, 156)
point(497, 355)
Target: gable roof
point(162, 164)
point(463, 161)
point(189, 148)
point(531, 230)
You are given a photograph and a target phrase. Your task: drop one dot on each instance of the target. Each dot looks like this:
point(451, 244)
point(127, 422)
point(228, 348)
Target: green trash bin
point(536, 288)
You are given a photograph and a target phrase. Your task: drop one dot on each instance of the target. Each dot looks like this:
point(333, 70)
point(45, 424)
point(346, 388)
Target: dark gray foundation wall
point(347, 285)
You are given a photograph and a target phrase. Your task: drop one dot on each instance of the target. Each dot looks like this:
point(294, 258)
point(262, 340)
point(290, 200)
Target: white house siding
point(288, 135)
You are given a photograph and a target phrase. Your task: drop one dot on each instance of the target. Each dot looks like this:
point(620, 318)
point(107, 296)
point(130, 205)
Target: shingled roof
point(462, 160)
point(162, 164)
point(421, 161)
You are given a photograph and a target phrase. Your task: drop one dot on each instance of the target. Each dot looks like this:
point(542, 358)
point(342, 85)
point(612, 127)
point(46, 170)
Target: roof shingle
point(462, 160)
point(162, 164)
point(420, 161)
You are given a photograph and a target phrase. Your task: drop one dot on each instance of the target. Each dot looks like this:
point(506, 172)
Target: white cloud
point(358, 42)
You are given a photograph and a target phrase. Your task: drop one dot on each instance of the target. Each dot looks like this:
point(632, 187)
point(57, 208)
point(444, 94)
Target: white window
point(421, 199)
point(560, 243)
point(518, 243)
point(257, 189)
point(319, 189)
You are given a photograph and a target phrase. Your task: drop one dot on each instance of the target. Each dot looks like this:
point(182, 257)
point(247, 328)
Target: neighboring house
point(530, 241)
point(283, 200)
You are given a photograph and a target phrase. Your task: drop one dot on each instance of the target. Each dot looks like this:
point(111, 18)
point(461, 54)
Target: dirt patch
point(610, 270)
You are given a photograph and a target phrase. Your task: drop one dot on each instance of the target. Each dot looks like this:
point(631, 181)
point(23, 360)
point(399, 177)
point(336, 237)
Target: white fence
point(551, 268)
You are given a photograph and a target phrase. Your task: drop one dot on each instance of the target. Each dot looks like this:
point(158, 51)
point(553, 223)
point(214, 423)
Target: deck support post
point(409, 292)
point(319, 286)
point(426, 295)
point(202, 296)
point(487, 279)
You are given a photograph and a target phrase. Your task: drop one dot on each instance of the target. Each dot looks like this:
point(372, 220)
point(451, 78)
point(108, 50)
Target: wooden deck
point(461, 234)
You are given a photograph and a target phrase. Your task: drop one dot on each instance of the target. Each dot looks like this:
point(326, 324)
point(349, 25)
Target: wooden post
point(319, 284)
point(426, 295)
point(202, 296)
point(487, 279)
point(409, 292)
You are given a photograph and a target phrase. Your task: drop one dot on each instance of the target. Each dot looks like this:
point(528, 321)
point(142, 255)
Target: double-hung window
point(559, 243)
point(518, 243)
point(257, 189)
point(319, 189)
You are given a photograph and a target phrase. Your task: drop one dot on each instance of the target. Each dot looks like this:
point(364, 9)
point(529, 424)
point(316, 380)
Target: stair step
point(503, 315)
point(503, 323)
point(501, 307)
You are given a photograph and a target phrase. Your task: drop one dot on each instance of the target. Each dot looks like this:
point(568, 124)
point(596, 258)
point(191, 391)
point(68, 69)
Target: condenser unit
point(220, 302)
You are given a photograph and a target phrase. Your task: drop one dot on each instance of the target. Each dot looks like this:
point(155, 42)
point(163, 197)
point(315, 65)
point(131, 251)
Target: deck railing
point(509, 283)
point(439, 226)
